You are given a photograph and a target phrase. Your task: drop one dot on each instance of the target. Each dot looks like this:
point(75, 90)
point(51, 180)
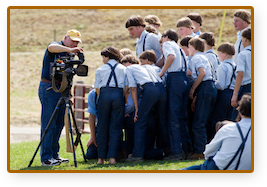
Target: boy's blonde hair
point(130, 58)
point(244, 15)
point(185, 22)
point(152, 19)
point(126, 51)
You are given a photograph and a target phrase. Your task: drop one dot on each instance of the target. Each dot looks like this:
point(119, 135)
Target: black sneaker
point(51, 162)
point(62, 160)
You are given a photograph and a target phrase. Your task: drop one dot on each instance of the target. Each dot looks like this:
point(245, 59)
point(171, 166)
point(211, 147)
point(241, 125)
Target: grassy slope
point(21, 154)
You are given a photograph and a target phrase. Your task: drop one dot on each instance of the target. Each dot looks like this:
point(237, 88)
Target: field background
point(31, 30)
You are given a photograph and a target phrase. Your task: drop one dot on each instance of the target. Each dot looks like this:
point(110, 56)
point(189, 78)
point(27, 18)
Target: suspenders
point(240, 149)
point(183, 59)
point(233, 75)
point(112, 73)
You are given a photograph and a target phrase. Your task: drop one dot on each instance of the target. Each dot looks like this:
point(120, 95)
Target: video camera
point(62, 70)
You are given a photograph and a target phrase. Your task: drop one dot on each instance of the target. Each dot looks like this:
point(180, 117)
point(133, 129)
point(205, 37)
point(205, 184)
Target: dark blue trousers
point(153, 96)
point(206, 97)
point(243, 90)
point(222, 111)
point(178, 88)
point(110, 114)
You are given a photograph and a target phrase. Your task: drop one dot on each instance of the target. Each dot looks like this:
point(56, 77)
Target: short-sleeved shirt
point(103, 72)
point(140, 75)
point(198, 61)
point(224, 74)
point(212, 57)
point(238, 45)
point(48, 58)
point(243, 63)
point(172, 48)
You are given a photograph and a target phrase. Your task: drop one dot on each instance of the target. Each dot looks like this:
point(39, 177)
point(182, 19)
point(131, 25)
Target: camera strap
point(63, 85)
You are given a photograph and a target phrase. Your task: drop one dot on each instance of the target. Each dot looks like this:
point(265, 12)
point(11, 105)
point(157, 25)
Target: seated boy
point(225, 152)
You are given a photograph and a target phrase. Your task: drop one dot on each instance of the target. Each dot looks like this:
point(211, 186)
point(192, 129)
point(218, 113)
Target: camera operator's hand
point(75, 50)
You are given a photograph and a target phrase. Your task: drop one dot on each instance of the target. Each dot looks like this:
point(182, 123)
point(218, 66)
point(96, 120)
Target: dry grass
point(31, 30)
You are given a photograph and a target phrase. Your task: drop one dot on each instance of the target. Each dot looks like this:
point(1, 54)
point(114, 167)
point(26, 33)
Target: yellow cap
point(74, 35)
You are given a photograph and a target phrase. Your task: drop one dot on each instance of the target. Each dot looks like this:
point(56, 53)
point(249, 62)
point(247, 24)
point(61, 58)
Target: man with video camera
point(49, 98)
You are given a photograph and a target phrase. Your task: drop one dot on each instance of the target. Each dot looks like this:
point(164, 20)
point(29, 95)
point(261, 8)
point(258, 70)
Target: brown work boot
point(196, 156)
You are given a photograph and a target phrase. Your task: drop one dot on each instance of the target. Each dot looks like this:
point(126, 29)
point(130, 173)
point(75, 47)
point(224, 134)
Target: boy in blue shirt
point(177, 90)
point(204, 91)
point(145, 41)
point(110, 83)
point(225, 76)
point(144, 81)
point(242, 83)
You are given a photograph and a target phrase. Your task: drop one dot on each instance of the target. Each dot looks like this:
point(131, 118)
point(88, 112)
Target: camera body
point(63, 70)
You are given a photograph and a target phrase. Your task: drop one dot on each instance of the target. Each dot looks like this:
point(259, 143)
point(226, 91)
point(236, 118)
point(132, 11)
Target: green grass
point(21, 154)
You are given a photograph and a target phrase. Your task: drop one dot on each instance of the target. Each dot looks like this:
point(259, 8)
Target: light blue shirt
point(243, 63)
point(158, 70)
point(213, 58)
point(141, 75)
point(238, 44)
point(224, 74)
point(103, 72)
point(198, 32)
point(151, 43)
point(194, 35)
point(172, 48)
point(198, 61)
point(92, 100)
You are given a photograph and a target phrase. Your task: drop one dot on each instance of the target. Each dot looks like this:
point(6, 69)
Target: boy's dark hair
point(172, 35)
point(247, 33)
point(151, 29)
point(198, 44)
point(227, 48)
point(130, 58)
point(112, 53)
point(135, 21)
point(245, 105)
point(209, 37)
point(150, 55)
point(185, 40)
point(195, 17)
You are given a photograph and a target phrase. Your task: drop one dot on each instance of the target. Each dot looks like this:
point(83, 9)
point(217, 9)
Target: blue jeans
point(152, 96)
point(49, 99)
point(206, 97)
point(209, 164)
point(110, 113)
point(178, 88)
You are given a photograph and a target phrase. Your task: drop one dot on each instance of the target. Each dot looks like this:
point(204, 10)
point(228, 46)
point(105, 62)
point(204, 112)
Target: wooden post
point(79, 104)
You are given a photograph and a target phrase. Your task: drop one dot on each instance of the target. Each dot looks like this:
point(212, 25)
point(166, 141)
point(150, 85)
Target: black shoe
point(174, 157)
point(135, 159)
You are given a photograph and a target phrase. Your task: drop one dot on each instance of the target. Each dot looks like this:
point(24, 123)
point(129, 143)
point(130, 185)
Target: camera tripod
point(64, 98)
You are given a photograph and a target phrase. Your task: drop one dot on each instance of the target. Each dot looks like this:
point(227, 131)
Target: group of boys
point(178, 91)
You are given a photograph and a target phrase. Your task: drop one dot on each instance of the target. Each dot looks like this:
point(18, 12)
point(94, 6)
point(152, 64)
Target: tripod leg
point(46, 129)
point(71, 135)
point(78, 134)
